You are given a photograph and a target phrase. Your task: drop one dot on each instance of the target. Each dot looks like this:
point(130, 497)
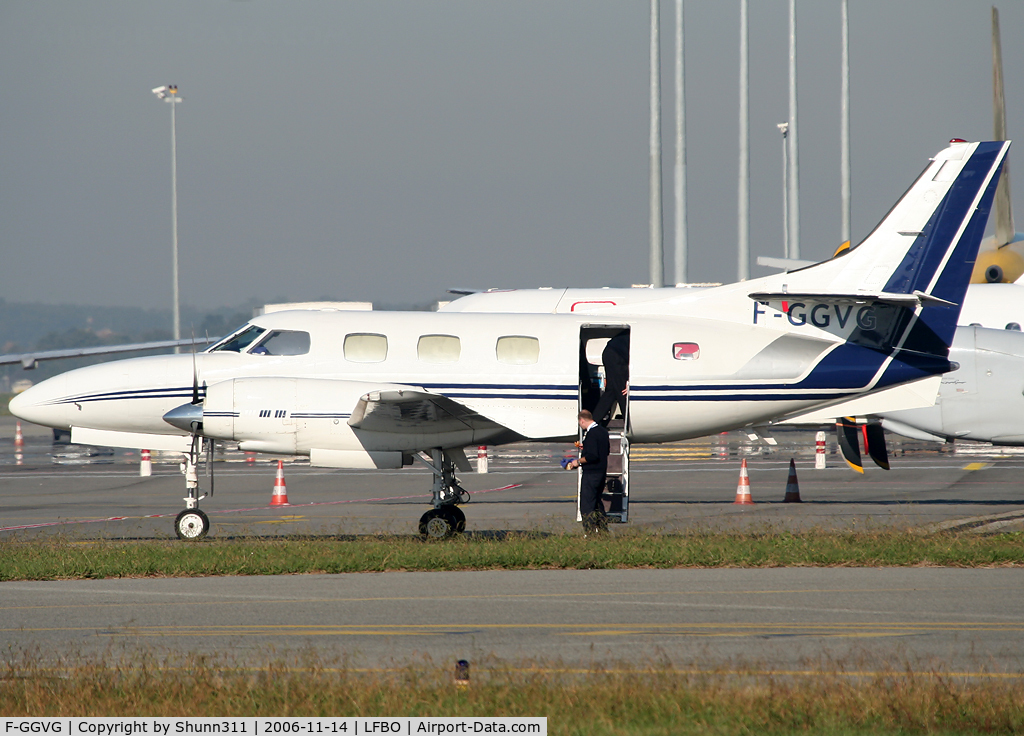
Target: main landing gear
point(192, 523)
point(445, 519)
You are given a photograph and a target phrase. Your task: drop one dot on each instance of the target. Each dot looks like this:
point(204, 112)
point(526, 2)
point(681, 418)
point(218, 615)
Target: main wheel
point(458, 517)
point(442, 523)
point(191, 524)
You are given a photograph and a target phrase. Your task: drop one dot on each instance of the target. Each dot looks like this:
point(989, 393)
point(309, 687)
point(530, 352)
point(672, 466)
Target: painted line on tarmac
point(42, 525)
point(989, 522)
point(828, 631)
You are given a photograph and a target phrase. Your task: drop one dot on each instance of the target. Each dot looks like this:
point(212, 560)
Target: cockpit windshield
point(283, 342)
point(239, 341)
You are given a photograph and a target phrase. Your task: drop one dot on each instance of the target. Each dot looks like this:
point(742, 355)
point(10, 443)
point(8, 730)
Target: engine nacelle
point(299, 416)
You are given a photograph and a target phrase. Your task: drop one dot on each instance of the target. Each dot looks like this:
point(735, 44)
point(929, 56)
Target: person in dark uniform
point(594, 461)
point(615, 358)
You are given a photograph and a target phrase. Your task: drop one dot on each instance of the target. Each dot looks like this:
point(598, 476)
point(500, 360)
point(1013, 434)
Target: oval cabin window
point(517, 350)
point(439, 348)
point(366, 348)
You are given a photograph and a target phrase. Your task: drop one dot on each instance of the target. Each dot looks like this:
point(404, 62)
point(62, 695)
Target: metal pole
point(657, 247)
point(680, 219)
point(794, 165)
point(743, 236)
point(174, 218)
point(844, 128)
point(783, 127)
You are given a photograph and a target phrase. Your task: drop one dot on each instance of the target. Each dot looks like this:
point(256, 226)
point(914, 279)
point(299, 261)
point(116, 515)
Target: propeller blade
point(875, 436)
point(195, 372)
point(849, 442)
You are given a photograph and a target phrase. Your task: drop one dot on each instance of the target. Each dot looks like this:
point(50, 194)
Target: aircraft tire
point(442, 523)
point(191, 524)
point(459, 518)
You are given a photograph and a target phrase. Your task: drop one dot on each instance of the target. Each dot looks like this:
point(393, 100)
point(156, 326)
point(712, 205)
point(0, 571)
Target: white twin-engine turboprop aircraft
point(375, 389)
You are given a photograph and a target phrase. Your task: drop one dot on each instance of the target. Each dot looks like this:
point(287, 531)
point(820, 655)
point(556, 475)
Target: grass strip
point(61, 558)
point(596, 702)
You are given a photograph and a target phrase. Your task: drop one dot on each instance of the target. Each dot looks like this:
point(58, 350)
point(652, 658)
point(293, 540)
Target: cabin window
point(239, 341)
point(283, 342)
point(1013, 326)
point(686, 351)
point(517, 350)
point(439, 348)
point(366, 348)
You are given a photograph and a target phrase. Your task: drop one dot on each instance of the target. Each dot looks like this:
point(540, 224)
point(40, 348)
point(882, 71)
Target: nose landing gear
point(192, 524)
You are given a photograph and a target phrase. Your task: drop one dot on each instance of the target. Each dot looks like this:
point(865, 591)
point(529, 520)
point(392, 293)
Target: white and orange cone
point(280, 497)
point(19, 439)
point(481, 459)
point(819, 451)
point(250, 458)
point(792, 486)
point(743, 489)
point(146, 466)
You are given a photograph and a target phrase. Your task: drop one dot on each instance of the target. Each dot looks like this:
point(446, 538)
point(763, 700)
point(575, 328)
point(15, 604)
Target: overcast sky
point(385, 150)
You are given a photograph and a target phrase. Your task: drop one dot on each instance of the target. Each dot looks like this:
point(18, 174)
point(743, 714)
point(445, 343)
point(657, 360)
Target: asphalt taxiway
point(963, 622)
point(67, 490)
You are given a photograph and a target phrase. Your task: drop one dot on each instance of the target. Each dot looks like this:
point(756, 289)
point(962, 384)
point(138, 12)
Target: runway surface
point(780, 620)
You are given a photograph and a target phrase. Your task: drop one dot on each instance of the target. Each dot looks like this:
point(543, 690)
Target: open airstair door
point(604, 374)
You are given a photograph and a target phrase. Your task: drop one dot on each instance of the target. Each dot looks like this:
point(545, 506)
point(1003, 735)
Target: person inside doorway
point(615, 358)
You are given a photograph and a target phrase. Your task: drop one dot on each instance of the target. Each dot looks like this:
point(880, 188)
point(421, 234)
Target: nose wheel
point(443, 522)
point(191, 524)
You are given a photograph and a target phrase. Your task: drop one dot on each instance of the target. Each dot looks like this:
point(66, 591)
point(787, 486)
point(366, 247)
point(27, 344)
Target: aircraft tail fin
point(917, 262)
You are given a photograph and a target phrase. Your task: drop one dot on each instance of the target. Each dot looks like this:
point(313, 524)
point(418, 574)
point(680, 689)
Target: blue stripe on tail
point(933, 332)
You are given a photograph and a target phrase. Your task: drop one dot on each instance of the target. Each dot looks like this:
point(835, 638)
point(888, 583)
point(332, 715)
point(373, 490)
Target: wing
point(29, 360)
point(412, 411)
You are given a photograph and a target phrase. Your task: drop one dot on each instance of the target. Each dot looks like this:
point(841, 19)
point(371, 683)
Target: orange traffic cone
point(19, 438)
point(146, 465)
point(792, 487)
point(743, 489)
point(280, 497)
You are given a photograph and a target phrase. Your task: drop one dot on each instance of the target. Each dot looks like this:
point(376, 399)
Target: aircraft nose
point(43, 404)
point(188, 417)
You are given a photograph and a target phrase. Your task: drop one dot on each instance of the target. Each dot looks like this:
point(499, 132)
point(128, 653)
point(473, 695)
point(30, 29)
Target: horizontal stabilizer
point(912, 300)
point(916, 395)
